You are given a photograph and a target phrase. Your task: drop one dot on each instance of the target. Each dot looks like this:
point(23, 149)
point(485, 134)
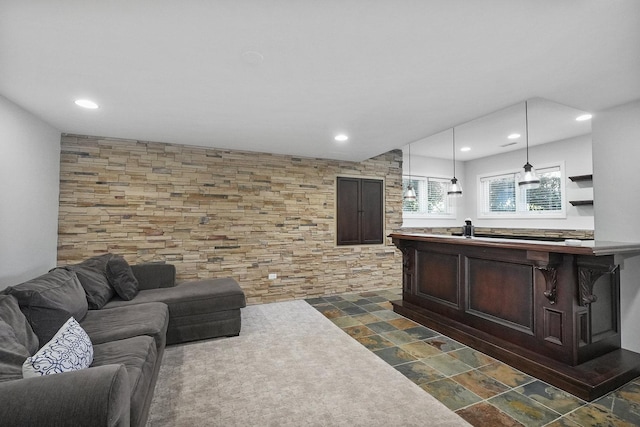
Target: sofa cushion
point(139, 356)
point(121, 278)
point(49, 300)
point(11, 314)
point(126, 322)
point(12, 353)
point(70, 349)
point(153, 275)
point(92, 274)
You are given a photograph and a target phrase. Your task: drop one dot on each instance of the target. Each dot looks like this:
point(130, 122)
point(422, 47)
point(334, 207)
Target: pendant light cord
point(409, 164)
point(526, 127)
point(453, 130)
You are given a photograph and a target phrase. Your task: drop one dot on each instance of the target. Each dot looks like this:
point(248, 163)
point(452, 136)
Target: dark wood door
point(359, 211)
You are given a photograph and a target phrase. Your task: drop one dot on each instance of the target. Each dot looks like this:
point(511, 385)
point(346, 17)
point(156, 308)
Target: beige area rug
point(290, 366)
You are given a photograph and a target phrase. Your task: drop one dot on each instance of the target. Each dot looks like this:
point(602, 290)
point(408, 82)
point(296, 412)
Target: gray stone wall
point(216, 213)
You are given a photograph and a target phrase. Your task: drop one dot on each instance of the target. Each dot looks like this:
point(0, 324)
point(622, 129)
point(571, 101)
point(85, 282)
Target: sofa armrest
point(154, 275)
point(98, 396)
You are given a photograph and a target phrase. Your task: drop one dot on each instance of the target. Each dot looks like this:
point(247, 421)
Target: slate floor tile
point(398, 337)
point(387, 315)
point(481, 384)
point(359, 331)
point(345, 322)
point(551, 397)
point(419, 372)
point(484, 415)
point(506, 374)
point(380, 327)
point(450, 393)
point(375, 342)
point(472, 357)
point(443, 343)
point(373, 308)
point(394, 355)
point(624, 402)
point(403, 323)
point(420, 349)
point(367, 318)
point(523, 409)
point(447, 364)
point(595, 415)
point(353, 310)
point(421, 333)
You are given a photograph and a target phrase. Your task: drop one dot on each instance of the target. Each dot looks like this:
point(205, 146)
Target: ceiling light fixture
point(85, 103)
point(465, 149)
point(455, 189)
point(584, 117)
point(528, 178)
point(409, 194)
point(514, 136)
point(341, 138)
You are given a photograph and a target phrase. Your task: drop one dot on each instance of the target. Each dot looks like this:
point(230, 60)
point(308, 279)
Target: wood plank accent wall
point(216, 213)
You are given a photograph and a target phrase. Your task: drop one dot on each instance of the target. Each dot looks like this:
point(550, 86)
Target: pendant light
point(455, 189)
point(528, 178)
point(410, 194)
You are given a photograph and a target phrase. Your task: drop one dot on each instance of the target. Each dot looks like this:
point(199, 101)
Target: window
point(360, 217)
point(431, 197)
point(501, 197)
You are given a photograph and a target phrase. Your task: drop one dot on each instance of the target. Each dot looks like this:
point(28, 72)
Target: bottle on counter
point(467, 228)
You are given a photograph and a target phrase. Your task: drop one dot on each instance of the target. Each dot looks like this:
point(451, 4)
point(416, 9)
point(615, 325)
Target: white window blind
point(431, 197)
point(501, 196)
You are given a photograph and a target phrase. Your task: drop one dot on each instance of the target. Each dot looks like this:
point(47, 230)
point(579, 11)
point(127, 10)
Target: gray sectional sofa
point(128, 313)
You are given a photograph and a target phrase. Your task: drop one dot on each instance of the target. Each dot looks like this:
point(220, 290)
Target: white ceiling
point(387, 73)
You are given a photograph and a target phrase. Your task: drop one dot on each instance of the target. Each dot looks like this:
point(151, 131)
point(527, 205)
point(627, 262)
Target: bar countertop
point(578, 247)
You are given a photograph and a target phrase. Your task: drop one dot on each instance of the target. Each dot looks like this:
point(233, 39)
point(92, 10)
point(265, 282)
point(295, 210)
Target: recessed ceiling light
point(465, 149)
point(514, 136)
point(584, 117)
point(341, 138)
point(85, 103)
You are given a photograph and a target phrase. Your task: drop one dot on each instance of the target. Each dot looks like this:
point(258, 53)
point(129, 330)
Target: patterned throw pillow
point(70, 349)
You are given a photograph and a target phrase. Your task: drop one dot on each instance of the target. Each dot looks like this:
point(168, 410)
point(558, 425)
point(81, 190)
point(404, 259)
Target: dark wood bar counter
point(550, 309)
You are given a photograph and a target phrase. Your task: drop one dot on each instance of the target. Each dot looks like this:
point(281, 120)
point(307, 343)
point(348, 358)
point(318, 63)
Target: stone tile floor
point(482, 390)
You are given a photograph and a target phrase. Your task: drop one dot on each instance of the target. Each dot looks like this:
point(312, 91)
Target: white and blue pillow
point(70, 349)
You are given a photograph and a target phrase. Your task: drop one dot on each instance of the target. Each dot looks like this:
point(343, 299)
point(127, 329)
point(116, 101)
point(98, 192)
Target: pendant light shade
point(455, 189)
point(528, 178)
point(409, 194)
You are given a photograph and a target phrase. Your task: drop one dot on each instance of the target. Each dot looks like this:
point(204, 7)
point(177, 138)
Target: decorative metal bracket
point(587, 278)
point(551, 280)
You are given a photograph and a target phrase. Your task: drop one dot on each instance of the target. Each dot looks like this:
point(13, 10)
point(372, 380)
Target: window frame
point(483, 201)
point(423, 183)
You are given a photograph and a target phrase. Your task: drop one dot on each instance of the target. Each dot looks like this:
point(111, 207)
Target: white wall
point(29, 188)
point(616, 153)
point(574, 152)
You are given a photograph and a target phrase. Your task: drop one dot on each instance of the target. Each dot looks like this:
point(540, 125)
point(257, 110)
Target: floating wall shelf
point(581, 178)
point(581, 202)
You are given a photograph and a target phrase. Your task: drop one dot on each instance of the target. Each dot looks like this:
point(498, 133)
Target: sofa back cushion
point(10, 313)
point(49, 300)
point(92, 274)
point(17, 340)
point(154, 275)
point(12, 353)
point(121, 278)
